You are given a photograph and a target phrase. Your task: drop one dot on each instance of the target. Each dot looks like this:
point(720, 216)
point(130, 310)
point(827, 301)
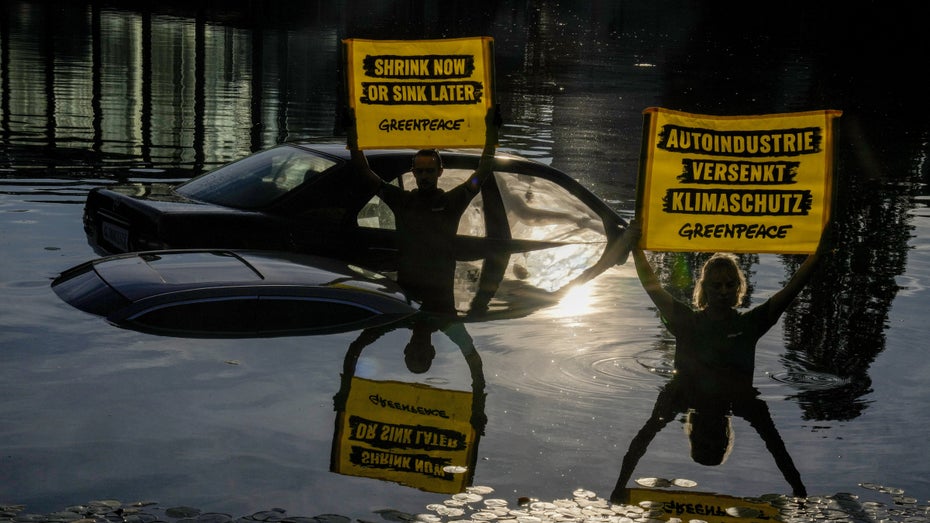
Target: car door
point(532, 231)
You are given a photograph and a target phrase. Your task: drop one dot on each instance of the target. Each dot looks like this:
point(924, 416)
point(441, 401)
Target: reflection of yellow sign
point(736, 183)
point(420, 93)
point(713, 508)
point(407, 433)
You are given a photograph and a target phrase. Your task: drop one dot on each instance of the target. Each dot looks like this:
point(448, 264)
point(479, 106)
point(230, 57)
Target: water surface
point(96, 93)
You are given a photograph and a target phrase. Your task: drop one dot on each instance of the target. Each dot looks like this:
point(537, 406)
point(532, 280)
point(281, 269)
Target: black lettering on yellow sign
point(678, 508)
point(419, 67)
point(734, 231)
point(391, 435)
point(738, 202)
point(747, 144)
point(420, 124)
point(738, 172)
point(411, 463)
point(421, 93)
point(376, 399)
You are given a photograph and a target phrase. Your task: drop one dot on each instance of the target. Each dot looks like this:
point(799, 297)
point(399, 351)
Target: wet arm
point(359, 161)
point(758, 416)
point(663, 412)
point(457, 333)
point(647, 276)
point(366, 338)
point(780, 301)
point(486, 164)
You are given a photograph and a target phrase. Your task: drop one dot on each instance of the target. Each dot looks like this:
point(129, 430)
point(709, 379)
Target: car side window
point(221, 315)
point(290, 171)
point(257, 180)
point(251, 315)
point(376, 214)
point(534, 204)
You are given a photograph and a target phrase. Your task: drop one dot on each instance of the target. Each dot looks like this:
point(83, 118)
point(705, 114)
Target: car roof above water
point(134, 274)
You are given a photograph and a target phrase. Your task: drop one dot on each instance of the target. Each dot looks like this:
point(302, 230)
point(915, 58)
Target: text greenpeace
point(376, 399)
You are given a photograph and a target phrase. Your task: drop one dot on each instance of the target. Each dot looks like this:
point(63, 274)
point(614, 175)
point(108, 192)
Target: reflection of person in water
point(419, 354)
point(714, 362)
point(427, 218)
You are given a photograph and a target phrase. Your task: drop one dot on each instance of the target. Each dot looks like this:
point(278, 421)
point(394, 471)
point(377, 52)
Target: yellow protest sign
point(408, 433)
point(760, 183)
point(704, 506)
point(420, 93)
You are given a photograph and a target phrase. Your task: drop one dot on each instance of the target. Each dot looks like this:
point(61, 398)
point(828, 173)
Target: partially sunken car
point(307, 198)
point(223, 293)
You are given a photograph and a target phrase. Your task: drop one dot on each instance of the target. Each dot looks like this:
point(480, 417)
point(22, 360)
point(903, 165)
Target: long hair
point(710, 436)
point(722, 261)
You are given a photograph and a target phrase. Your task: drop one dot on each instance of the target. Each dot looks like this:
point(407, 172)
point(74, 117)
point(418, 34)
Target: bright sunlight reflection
point(576, 302)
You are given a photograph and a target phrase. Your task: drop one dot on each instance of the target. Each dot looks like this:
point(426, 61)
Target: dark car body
point(531, 224)
point(222, 293)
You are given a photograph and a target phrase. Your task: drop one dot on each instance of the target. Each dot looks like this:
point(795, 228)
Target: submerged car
point(307, 198)
point(222, 293)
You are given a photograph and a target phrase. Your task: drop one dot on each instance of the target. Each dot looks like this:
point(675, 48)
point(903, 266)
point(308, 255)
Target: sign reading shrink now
point(420, 93)
point(736, 183)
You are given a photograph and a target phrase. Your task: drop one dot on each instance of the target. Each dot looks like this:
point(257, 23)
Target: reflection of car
point(221, 293)
point(306, 198)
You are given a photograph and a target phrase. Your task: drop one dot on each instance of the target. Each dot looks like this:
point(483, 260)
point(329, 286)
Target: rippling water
point(95, 93)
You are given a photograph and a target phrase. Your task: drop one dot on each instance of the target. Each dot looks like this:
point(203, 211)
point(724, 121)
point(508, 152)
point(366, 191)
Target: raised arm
point(492, 123)
point(359, 161)
point(780, 301)
point(647, 276)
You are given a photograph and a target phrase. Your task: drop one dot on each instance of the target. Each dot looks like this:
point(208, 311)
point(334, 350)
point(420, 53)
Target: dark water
point(93, 93)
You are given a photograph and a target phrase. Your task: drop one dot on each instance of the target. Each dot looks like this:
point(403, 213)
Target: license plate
point(115, 235)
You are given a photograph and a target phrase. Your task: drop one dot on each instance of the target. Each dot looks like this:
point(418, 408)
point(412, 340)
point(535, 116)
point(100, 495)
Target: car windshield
point(256, 181)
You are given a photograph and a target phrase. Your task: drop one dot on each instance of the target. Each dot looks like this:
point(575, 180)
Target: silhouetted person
point(709, 400)
point(714, 362)
point(427, 218)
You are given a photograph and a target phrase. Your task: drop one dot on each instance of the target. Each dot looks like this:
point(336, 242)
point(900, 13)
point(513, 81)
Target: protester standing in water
point(427, 217)
point(714, 362)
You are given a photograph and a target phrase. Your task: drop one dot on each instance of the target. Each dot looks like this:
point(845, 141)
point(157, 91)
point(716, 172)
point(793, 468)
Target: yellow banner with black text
point(420, 93)
point(407, 433)
point(759, 183)
point(703, 506)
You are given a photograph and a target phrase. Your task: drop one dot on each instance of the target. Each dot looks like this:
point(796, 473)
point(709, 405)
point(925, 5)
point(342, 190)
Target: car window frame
point(276, 194)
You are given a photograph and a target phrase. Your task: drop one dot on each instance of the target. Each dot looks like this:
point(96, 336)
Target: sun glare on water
point(576, 302)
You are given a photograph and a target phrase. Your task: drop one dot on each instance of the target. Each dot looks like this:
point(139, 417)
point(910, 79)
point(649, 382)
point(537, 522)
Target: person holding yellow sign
point(714, 333)
point(427, 217)
point(714, 361)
